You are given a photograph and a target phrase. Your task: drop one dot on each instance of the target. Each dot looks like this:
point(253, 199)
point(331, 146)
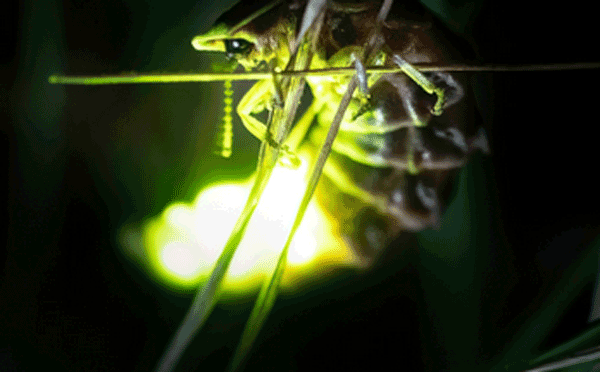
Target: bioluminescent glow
point(180, 246)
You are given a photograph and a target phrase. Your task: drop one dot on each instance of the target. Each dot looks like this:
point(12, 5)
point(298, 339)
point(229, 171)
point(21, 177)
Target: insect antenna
point(224, 139)
point(163, 78)
point(223, 143)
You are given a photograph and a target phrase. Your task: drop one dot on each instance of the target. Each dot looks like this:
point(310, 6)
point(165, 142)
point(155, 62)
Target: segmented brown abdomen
point(396, 158)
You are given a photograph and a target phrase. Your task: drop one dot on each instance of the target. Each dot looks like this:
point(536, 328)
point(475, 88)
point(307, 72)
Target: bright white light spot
point(180, 258)
point(183, 243)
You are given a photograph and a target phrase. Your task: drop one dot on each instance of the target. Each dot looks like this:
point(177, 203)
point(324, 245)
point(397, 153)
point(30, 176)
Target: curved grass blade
point(519, 355)
point(270, 288)
point(576, 361)
point(207, 296)
point(269, 291)
point(313, 10)
point(565, 350)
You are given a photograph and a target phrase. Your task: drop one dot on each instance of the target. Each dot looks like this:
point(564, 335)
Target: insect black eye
point(237, 47)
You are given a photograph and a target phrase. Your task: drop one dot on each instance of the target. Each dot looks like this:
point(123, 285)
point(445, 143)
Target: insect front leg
point(257, 99)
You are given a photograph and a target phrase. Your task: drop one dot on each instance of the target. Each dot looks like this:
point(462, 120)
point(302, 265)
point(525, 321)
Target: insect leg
point(425, 83)
point(257, 99)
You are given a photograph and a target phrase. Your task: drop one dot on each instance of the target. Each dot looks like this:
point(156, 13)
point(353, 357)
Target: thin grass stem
point(207, 296)
point(168, 78)
point(568, 362)
point(269, 291)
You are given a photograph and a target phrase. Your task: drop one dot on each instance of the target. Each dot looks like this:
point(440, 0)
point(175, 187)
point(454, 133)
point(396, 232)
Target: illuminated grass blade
point(207, 296)
point(270, 289)
point(269, 292)
point(313, 10)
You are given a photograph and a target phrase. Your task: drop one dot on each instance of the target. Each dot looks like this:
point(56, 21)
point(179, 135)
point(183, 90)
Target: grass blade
point(520, 355)
point(569, 362)
point(270, 289)
point(207, 296)
point(311, 13)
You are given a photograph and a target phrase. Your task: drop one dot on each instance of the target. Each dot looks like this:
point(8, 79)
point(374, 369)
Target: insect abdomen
point(393, 163)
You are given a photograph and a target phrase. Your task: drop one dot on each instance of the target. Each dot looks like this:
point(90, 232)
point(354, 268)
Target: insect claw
point(288, 159)
point(436, 111)
point(438, 108)
point(365, 107)
point(424, 82)
point(226, 154)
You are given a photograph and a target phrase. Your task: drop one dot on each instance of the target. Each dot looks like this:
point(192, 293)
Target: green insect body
point(400, 142)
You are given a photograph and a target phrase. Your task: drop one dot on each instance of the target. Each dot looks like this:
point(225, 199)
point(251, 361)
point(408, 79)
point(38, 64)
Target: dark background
point(81, 162)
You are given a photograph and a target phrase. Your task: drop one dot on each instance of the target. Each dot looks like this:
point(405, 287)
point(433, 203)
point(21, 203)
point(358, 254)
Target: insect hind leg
point(442, 85)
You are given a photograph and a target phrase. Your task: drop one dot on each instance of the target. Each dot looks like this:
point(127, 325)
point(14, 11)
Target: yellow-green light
point(180, 246)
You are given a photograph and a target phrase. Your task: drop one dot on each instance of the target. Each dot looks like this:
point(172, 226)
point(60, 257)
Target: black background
point(81, 162)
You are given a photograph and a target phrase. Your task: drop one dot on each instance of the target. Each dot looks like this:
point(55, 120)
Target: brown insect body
point(438, 145)
point(394, 155)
